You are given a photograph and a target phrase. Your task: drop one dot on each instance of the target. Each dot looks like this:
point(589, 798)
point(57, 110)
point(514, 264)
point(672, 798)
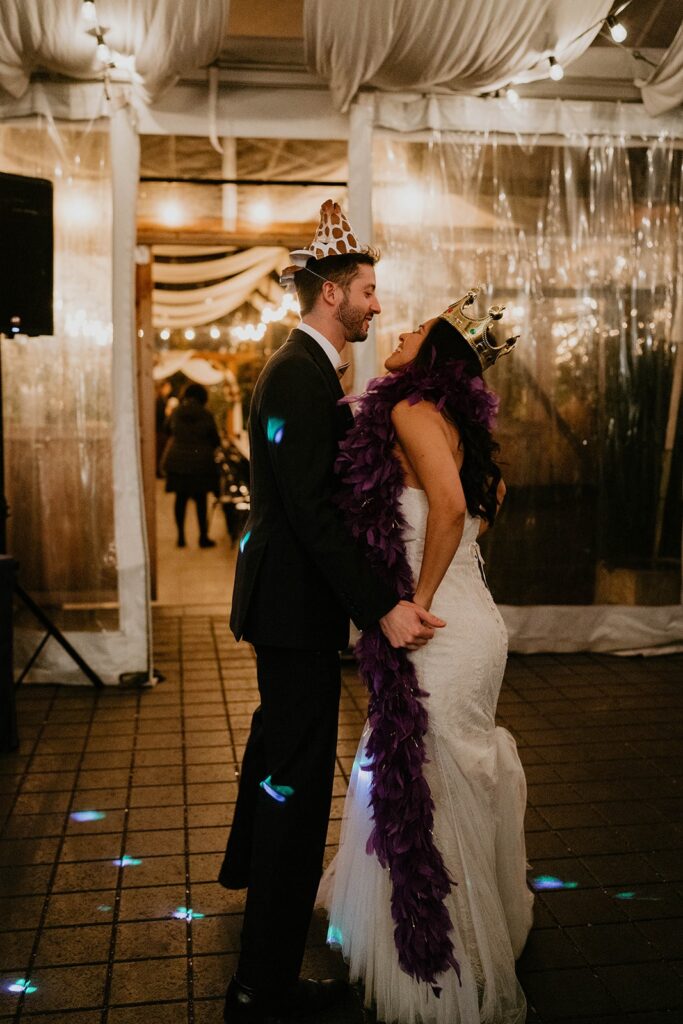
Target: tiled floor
point(86, 939)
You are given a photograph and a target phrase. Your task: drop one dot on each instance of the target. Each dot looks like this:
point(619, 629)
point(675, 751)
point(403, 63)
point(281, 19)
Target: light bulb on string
point(617, 30)
point(215, 332)
point(89, 12)
point(103, 51)
point(190, 334)
point(556, 70)
point(512, 96)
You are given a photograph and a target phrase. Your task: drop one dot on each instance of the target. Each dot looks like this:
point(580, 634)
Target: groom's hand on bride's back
point(409, 625)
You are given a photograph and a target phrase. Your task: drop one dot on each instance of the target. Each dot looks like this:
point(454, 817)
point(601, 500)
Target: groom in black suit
point(299, 578)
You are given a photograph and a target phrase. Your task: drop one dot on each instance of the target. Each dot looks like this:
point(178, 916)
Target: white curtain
point(456, 46)
point(163, 39)
point(664, 88)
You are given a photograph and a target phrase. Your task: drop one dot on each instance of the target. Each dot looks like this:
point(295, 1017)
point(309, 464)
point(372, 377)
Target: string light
point(556, 70)
point(190, 334)
point(616, 29)
point(512, 96)
point(215, 332)
point(269, 315)
point(165, 334)
point(89, 12)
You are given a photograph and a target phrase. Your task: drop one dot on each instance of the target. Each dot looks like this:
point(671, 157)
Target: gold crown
point(475, 329)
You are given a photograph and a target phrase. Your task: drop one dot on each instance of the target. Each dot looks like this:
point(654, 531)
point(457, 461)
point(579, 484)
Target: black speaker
point(26, 255)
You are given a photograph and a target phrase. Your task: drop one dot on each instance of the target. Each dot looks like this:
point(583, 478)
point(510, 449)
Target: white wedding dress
point(479, 792)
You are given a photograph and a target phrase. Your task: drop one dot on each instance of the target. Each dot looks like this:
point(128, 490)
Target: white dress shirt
point(327, 346)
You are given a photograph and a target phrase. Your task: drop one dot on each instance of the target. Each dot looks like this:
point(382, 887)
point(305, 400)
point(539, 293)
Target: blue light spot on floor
point(127, 862)
point(245, 540)
point(186, 914)
point(334, 936)
point(104, 907)
point(22, 985)
point(88, 815)
point(275, 429)
point(550, 882)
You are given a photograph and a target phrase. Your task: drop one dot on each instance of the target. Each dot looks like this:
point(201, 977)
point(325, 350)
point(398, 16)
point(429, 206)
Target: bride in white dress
point(472, 767)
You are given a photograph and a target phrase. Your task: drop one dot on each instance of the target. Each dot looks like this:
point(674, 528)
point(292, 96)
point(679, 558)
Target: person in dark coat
point(300, 576)
point(189, 463)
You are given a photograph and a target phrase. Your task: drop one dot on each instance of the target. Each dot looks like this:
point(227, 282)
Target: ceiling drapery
point(165, 40)
point(460, 46)
point(242, 272)
point(664, 89)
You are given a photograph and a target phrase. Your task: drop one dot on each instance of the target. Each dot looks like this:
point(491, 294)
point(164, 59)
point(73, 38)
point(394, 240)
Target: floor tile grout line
point(27, 767)
point(57, 856)
point(116, 908)
point(189, 950)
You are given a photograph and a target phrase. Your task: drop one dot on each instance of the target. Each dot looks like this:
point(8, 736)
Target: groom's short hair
point(340, 270)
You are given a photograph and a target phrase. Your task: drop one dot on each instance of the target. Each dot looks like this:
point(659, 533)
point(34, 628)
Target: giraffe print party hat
point(334, 237)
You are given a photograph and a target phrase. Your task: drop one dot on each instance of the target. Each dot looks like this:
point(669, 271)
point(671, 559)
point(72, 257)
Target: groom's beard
point(353, 320)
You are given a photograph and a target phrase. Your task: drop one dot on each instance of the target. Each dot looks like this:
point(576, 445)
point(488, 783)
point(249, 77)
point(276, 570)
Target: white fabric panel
point(457, 46)
point(664, 88)
point(129, 515)
point(360, 215)
point(560, 118)
point(166, 38)
point(210, 270)
point(606, 628)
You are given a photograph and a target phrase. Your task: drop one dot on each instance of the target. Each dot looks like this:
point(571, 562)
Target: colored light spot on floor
point(624, 896)
point(22, 985)
point(275, 429)
point(104, 907)
point(187, 914)
point(542, 882)
point(88, 815)
point(245, 540)
point(279, 793)
point(127, 862)
point(334, 936)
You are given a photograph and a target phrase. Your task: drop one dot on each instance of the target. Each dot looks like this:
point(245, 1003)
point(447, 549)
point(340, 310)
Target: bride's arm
point(423, 435)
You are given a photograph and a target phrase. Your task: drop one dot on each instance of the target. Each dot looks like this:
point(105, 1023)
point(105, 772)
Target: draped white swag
point(163, 40)
point(664, 88)
point(429, 46)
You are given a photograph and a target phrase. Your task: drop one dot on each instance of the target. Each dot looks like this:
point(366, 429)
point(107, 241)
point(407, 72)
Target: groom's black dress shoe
point(244, 1006)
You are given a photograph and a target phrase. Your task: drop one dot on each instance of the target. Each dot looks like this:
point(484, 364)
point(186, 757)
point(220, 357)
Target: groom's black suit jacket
point(300, 575)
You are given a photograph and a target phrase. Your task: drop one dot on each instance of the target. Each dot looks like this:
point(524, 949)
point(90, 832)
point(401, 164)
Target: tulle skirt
point(479, 791)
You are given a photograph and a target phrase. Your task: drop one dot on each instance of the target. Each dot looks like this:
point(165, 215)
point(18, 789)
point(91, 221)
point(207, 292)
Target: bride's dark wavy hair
point(480, 472)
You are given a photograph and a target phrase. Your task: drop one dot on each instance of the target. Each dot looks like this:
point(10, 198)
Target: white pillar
point(360, 216)
point(129, 520)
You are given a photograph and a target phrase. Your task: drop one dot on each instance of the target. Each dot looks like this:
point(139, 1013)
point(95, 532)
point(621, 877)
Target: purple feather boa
point(402, 806)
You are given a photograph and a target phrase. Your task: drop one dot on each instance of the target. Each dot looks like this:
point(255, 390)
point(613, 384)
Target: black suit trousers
point(276, 846)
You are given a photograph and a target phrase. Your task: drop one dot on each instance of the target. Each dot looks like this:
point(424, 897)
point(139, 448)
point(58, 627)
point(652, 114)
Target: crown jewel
point(475, 329)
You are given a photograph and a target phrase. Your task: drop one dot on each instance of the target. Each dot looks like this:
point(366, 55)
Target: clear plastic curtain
point(58, 390)
point(581, 241)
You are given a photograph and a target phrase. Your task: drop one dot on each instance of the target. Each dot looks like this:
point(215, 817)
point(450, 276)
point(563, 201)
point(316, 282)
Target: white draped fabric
point(193, 367)
point(162, 40)
point(456, 47)
point(196, 306)
point(664, 88)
